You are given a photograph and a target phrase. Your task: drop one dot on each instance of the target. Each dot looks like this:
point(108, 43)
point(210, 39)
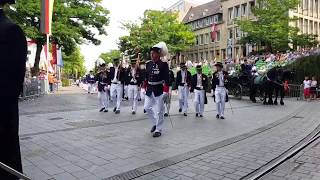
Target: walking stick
point(231, 107)
point(168, 108)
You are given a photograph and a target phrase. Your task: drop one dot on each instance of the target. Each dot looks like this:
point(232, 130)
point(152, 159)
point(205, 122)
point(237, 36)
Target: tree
point(74, 64)
point(156, 26)
point(271, 25)
point(305, 40)
point(109, 56)
point(74, 22)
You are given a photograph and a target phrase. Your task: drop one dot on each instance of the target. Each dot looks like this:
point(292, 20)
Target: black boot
point(153, 129)
point(157, 134)
point(101, 109)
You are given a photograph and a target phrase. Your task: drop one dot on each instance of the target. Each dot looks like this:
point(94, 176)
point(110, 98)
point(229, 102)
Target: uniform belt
point(182, 84)
point(116, 83)
point(197, 88)
point(219, 86)
point(155, 83)
point(132, 83)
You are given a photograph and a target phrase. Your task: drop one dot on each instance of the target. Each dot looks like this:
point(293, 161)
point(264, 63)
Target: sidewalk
point(80, 143)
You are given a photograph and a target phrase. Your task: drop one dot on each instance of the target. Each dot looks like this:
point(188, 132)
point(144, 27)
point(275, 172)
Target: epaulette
point(148, 61)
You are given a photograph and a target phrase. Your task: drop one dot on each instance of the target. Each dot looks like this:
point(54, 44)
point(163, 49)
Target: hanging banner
point(46, 16)
point(54, 53)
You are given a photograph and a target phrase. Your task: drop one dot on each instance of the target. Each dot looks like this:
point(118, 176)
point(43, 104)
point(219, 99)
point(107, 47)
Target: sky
point(121, 11)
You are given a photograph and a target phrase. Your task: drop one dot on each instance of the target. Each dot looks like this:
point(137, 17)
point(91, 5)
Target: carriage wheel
point(237, 91)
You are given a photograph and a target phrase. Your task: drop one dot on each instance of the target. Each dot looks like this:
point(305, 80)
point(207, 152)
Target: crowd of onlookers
point(310, 88)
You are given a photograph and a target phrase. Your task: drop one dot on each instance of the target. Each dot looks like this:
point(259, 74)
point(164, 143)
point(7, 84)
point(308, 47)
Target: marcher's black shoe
point(101, 109)
point(106, 110)
point(114, 109)
point(144, 111)
point(139, 99)
point(221, 117)
point(117, 112)
point(197, 114)
point(157, 134)
point(153, 129)
point(166, 114)
point(133, 112)
point(180, 110)
point(217, 116)
point(201, 116)
point(185, 114)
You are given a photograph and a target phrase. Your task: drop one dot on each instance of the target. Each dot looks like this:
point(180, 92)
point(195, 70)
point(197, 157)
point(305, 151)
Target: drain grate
point(55, 118)
point(86, 123)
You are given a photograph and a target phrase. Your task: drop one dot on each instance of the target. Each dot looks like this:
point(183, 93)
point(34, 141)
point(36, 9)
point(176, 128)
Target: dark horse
point(272, 82)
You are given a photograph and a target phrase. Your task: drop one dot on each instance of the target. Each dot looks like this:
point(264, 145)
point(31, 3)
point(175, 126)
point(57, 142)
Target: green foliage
point(65, 82)
point(74, 65)
point(305, 40)
point(308, 66)
point(156, 26)
point(272, 24)
point(74, 22)
point(109, 56)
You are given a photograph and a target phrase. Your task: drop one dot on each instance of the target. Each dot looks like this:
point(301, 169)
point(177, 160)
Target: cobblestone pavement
point(64, 137)
point(305, 165)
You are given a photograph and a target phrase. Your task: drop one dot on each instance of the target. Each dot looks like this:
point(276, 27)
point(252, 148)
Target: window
point(201, 39)
point(237, 12)
point(197, 40)
point(306, 4)
point(207, 39)
point(252, 4)
point(230, 14)
point(207, 56)
point(244, 9)
point(230, 33)
point(237, 33)
point(216, 19)
point(218, 35)
point(211, 20)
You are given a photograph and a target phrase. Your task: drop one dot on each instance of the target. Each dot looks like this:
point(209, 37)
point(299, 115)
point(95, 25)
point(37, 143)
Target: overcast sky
point(121, 11)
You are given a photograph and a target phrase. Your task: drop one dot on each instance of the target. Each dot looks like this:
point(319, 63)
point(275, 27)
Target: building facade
point(228, 34)
point(182, 7)
point(203, 19)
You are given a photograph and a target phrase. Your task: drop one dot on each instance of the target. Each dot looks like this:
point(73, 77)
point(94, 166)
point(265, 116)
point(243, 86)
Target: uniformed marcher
point(199, 84)
point(13, 52)
point(219, 81)
point(103, 88)
point(91, 82)
point(134, 82)
point(117, 78)
point(157, 88)
point(183, 83)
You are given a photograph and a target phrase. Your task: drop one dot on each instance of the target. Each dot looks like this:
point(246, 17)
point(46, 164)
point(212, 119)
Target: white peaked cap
point(163, 47)
point(100, 62)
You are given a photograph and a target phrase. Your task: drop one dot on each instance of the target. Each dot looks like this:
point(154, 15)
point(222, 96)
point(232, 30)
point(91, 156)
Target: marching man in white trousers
point(116, 77)
point(157, 88)
point(91, 81)
point(183, 84)
point(199, 86)
point(134, 82)
point(219, 79)
point(103, 94)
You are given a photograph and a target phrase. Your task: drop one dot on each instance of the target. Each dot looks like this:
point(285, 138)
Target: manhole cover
point(87, 123)
point(55, 118)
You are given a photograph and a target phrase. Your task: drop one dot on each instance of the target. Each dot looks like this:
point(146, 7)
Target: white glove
point(143, 91)
point(165, 97)
point(105, 88)
point(108, 87)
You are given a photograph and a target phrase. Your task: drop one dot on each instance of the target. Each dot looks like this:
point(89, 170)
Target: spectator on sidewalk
point(306, 87)
point(313, 88)
point(52, 80)
point(13, 54)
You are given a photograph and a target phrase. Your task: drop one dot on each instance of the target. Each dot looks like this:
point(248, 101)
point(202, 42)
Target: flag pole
point(48, 61)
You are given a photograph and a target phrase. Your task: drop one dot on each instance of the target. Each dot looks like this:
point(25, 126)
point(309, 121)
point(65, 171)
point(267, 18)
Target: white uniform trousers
point(199, 101)
point(103, 99)
point(116, 94)
point(133, 96)
point(166, 105)
point(90, 88)
point(220, 94)
point(154, 107)
point(126, 89)
point(183, 98)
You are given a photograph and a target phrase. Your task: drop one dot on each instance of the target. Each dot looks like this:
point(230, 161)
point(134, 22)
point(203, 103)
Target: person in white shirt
point(199, 84)
point(313, 88)
point(117, 78)
point(183, 84)
point(306, 87)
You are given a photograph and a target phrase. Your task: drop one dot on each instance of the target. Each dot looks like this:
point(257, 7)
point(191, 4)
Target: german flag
point(46, 16)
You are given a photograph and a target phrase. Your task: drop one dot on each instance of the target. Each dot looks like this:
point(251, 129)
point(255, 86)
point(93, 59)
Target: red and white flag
point(46, 16)
point(214, 29)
